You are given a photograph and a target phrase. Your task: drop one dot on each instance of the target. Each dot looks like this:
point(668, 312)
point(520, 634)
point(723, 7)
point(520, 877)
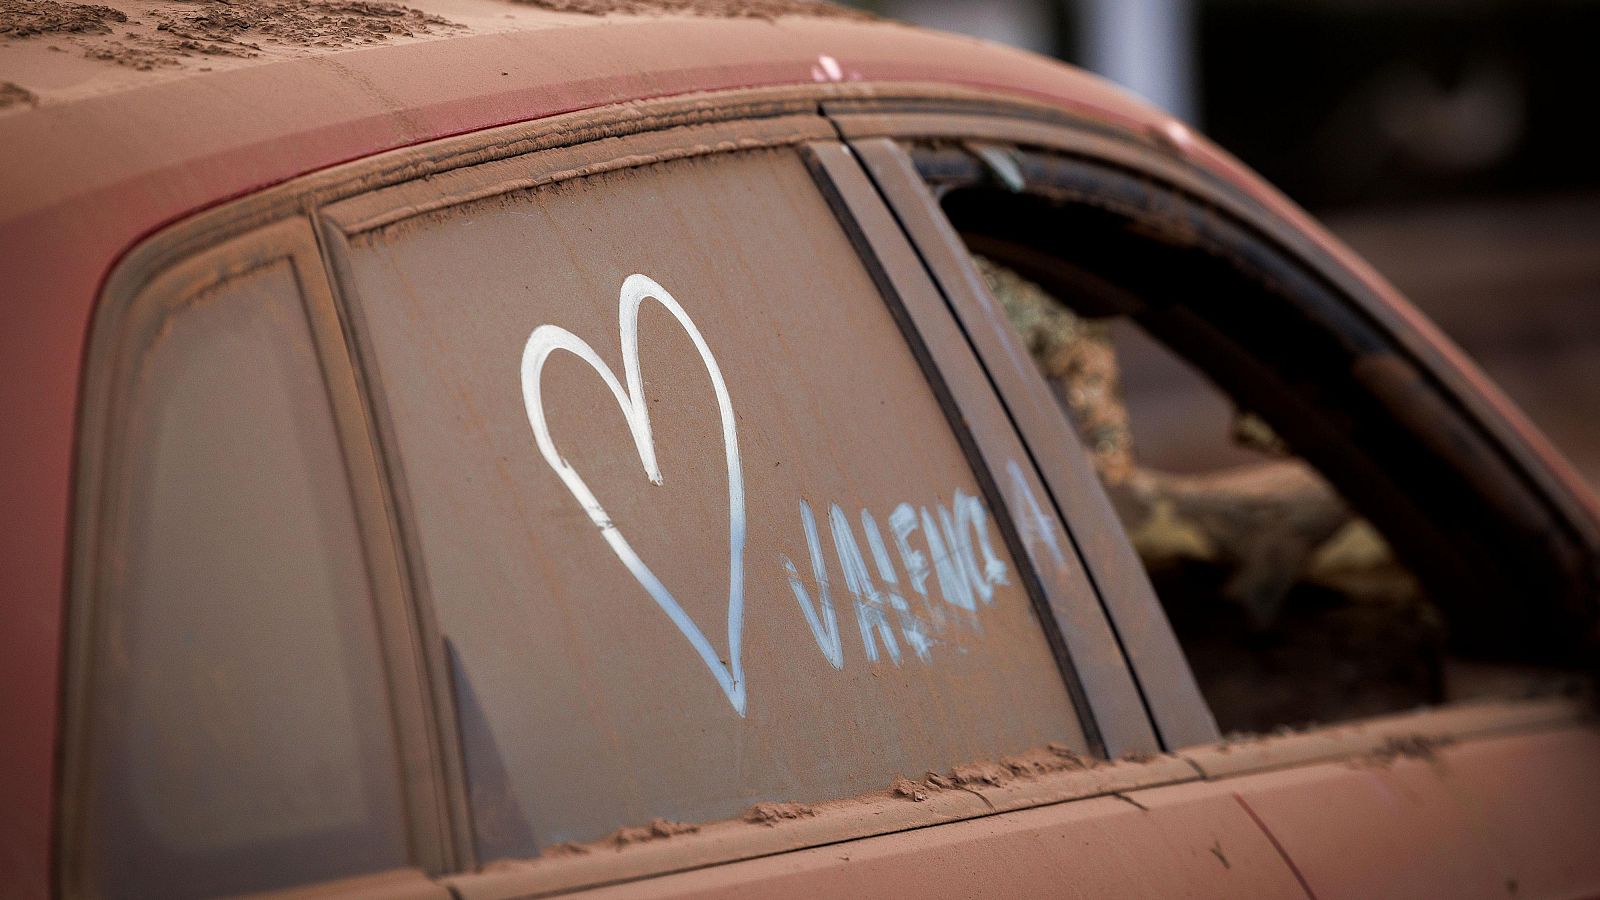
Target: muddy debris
point(566, 848)
point(27, 18)
point(767, 10)
point(144, 59)
point(979, 773)
point(908, 789)
point(658, 829)
point(15, 95)
point(1039, 762)
point(773, 813)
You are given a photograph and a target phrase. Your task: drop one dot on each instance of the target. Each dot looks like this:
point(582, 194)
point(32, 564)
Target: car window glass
point(694, 525)
point(240, 734)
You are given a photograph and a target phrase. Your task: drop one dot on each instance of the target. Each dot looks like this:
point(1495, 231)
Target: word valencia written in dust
point(959, 558)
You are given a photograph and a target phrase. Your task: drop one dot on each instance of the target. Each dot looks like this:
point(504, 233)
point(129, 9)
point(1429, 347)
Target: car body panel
point(1492, 817)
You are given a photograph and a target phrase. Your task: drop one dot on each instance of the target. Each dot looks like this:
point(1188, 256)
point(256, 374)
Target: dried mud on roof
point(740, 9)
point(167, 35)
point(306, 23)
point(27, 18)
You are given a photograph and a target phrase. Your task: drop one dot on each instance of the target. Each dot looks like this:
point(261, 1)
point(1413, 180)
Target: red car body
point(104, 160)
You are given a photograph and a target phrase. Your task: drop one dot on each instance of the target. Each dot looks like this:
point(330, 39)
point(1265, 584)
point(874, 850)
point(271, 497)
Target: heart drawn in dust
point(547, 339)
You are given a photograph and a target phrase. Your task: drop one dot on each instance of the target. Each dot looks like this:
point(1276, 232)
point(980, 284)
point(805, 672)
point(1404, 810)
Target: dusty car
point(485, 449)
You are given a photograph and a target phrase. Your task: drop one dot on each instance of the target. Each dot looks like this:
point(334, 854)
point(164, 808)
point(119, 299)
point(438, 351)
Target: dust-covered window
point(697, 530)
point(239, 734)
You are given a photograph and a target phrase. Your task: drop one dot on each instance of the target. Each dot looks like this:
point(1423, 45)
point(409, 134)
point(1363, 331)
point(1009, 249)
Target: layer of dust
point(27, 18)
point(743, 9)
point(167, 35)
point(14, 95)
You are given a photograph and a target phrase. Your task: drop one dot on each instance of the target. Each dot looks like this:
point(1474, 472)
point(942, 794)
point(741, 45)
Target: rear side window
point(239, 736)
point(695, 527)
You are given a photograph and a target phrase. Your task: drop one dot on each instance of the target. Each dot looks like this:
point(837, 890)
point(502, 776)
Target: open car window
point(696, 530)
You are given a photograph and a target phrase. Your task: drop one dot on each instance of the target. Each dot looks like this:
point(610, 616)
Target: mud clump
point(768, 10)
point(658, 829)
point(26, 18)
point(15, 95)
point(910, 790)
point(1039, 762)
point(773, 813)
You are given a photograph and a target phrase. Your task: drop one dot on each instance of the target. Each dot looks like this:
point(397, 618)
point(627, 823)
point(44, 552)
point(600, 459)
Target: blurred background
point(1442, 139)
